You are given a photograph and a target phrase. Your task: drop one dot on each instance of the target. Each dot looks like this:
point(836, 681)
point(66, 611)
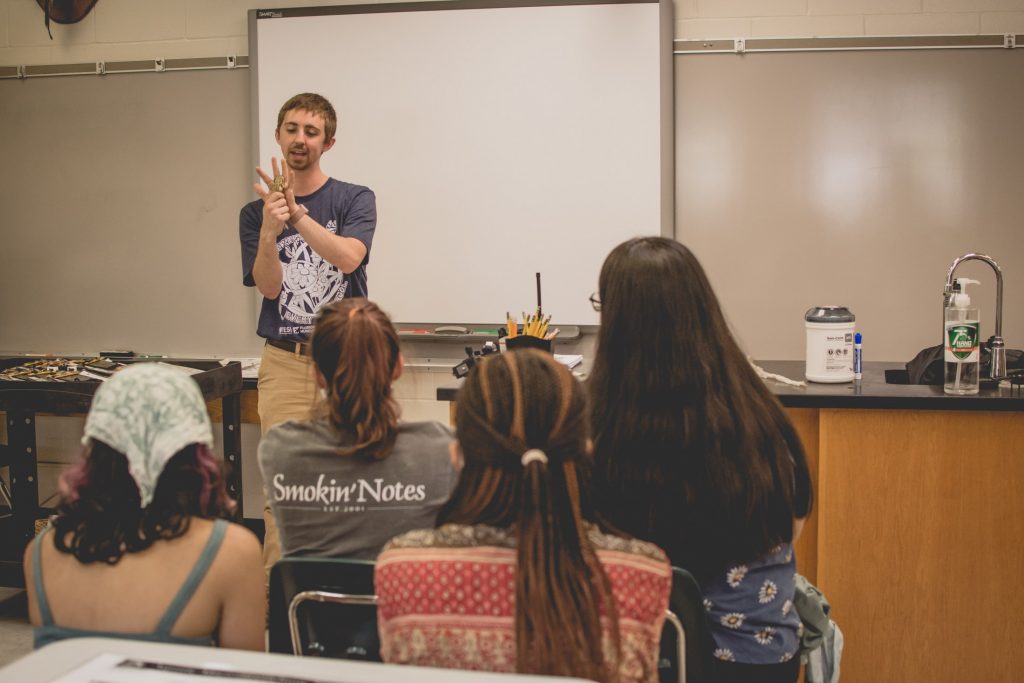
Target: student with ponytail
point(343, 483)
point(516, 577)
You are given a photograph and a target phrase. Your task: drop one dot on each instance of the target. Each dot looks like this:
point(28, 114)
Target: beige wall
point(796, 188)
point(118, 30)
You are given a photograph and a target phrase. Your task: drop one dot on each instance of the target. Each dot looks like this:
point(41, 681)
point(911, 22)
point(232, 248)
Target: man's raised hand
point(275, 204)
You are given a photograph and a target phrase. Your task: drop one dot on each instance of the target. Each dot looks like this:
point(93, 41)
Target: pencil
point(544, 326)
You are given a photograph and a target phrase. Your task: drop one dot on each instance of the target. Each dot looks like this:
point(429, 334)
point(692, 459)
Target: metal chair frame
point(671, 618)
point(319, 596)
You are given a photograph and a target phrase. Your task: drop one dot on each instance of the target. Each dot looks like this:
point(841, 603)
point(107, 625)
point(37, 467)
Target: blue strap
point(37, 578)
point(199, 570)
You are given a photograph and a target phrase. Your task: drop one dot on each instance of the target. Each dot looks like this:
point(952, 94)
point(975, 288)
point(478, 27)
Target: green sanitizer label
point(961, 342)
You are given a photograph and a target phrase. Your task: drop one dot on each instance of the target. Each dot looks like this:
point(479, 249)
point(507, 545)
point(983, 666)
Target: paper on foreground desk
point(109, 660)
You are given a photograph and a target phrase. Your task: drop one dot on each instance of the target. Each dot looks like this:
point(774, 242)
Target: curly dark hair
point(100, 517)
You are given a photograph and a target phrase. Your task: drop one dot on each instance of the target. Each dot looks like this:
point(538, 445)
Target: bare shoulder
point(27, 563)
point(26, 559)
point(240, 546)
point(29, 556)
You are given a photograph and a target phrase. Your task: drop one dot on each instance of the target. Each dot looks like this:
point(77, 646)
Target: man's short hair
point(314, 104)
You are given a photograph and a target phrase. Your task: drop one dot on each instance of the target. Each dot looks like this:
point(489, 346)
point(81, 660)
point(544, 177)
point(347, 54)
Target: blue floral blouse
point(750, 608)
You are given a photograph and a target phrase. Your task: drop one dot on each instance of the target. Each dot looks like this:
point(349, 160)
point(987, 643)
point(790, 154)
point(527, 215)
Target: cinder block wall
point(118, 30)
point(697, 19)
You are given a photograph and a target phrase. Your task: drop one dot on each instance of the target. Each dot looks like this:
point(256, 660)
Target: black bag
point(927, 367)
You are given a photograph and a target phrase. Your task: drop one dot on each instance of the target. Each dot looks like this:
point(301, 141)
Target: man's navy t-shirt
point(309, 281)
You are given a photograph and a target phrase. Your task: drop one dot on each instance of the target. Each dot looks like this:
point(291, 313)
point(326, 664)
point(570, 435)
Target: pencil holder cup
point(525, 341)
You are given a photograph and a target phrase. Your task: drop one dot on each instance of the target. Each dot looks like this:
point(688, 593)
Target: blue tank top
point(50, 632)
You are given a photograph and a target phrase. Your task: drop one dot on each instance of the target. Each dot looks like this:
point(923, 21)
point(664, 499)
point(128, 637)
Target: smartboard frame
point(493, 284)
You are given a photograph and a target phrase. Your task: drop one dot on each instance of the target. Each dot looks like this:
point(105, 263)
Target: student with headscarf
point(139, 546)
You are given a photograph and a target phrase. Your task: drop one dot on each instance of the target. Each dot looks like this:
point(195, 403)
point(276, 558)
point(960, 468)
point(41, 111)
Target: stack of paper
point(569, 360)
point(250, 366)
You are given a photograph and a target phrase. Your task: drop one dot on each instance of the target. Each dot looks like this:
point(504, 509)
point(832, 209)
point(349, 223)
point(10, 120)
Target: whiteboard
point(501, 141)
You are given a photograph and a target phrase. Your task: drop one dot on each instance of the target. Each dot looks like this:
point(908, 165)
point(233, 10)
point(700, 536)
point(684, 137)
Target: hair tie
point(534, 455)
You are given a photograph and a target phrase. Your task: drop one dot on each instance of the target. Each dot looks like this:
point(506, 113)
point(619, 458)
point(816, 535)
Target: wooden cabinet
point(916, 539)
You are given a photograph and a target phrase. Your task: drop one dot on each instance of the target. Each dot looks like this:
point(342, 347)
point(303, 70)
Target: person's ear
point(589, 448)
point(329, 144)
point(399, 366)
point(321, 381)
point(455, 452)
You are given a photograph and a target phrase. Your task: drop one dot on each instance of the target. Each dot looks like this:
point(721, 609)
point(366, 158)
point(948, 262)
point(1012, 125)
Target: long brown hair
point(691, 449)
point(510, 404)
point(356, 349)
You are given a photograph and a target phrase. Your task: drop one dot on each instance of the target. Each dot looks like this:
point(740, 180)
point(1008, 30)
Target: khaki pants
point(287, 391)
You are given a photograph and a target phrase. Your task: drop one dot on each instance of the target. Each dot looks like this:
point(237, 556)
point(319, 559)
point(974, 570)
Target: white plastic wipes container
point(829, 344)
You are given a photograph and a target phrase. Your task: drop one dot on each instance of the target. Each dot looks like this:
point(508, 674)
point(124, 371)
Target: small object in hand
point(277, 185)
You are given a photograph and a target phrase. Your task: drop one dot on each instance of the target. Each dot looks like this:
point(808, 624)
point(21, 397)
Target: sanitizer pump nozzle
point(960, 297)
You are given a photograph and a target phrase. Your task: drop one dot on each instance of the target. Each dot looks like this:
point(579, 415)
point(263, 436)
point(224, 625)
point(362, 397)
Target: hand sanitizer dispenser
point(961, 339)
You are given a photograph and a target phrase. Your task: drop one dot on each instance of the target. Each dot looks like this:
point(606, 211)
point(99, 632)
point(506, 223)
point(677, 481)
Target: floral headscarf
point(149, 412)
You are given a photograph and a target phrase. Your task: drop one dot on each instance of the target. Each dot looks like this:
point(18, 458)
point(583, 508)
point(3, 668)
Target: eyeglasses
point(595, 301)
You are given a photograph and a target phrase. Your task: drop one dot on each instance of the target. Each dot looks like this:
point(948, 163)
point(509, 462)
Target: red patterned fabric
point(446, 598)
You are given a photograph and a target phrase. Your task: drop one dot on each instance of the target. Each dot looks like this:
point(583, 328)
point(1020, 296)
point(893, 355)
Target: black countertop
point(870, 392)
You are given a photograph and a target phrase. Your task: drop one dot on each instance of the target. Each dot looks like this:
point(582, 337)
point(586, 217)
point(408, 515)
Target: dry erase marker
point(538, 296)
point(858, 370)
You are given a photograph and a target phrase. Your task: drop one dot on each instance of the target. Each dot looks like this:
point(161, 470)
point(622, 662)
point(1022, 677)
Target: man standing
point(305, 243)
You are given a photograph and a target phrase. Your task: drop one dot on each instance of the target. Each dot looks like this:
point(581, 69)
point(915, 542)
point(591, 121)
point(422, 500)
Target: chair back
point(686, 636)
point(323, 607)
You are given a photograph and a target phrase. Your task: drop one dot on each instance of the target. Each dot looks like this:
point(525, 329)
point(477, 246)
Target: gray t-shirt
point(332, 505)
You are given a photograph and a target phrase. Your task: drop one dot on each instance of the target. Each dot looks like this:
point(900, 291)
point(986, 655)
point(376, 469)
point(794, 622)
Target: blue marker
point(858, 359)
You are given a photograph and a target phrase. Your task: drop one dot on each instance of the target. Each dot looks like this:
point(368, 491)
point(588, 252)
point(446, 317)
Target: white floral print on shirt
point(733, 620)
point(768, 592)
point(735, 575)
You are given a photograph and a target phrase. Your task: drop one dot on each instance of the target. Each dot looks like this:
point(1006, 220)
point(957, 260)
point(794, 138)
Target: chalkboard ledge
point(468, 333)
